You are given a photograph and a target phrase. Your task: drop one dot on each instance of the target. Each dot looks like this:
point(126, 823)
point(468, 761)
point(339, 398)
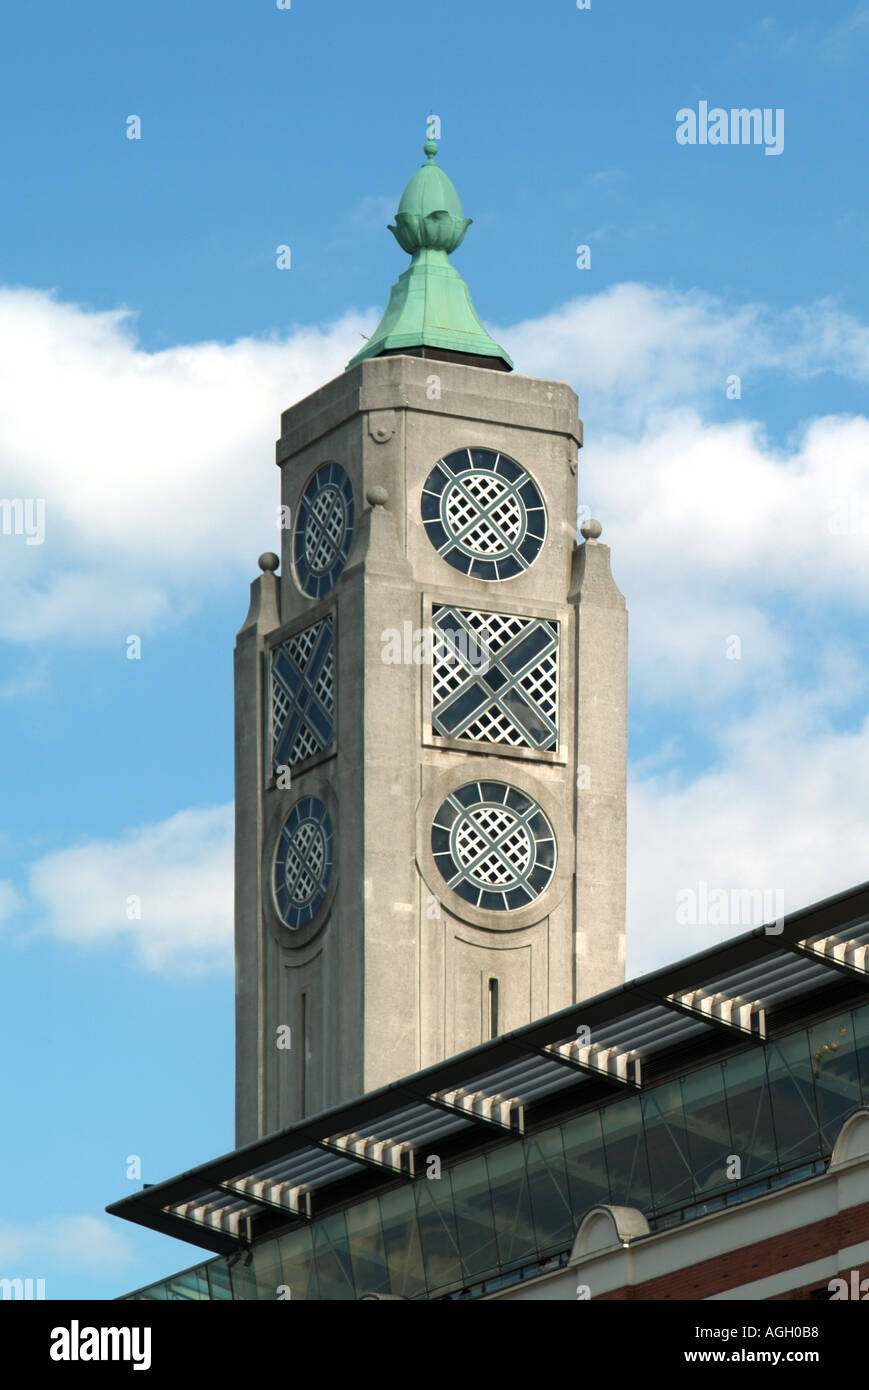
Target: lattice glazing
point(484, 514)
point(303, 695)
point(493, 845)
point(495, 678)
point(324, 530)
point(303, 863)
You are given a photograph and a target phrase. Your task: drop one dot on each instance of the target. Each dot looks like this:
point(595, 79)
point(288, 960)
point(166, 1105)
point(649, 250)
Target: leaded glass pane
point(437, 1229)
point(191, 1284)
point(493, 845)
point(267, 1270)
point(667, 1145)
point(707, 1126)
point(861, 1039)
point(495, 678)
point(834, 1070)
point(750, 1112)
point(370, 1272)
point(243, 1278)
point(514, 1225)
point(332, 1254)
point(402, 1243)
point(297, 1264)
point(586, 1164)
point(219, 1281)
point(303, 695)
point(303, 862)
point(324, 530)
point(475, 1223)
point(548, 1190)
point(792, 1091)
point(483, 514)
point(626, 1161)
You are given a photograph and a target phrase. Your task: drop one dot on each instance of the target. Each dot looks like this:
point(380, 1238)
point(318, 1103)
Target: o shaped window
point(493, 845)
point(303, 863)
point(483, 514)
point(324, 530)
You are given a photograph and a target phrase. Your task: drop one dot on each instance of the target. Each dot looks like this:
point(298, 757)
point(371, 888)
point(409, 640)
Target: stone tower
point(430, 712)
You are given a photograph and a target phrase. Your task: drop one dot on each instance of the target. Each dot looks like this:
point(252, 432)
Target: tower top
point(430, 312)
point(429, 216)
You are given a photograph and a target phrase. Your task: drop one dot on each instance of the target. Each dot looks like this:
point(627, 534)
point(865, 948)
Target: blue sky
point(147, 346)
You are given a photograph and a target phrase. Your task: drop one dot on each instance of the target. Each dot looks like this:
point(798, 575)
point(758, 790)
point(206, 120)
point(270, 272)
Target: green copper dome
point(430, 306)
point(429, 215)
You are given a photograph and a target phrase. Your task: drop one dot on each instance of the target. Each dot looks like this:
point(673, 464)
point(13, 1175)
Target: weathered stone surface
point(395, 973)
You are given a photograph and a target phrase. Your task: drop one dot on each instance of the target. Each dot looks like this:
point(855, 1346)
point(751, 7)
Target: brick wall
point(734, 1268)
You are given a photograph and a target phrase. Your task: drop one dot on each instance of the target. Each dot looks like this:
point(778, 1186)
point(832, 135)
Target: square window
point(303, 695)
point(495, 678)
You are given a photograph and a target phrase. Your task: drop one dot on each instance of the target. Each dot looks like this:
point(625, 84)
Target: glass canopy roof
point(724, 1001)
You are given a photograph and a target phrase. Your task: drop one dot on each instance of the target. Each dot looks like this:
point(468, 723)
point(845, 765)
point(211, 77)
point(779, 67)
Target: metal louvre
point(639, 1034)
point(281, 1196)
point(850, 955)
point(728, 1010)
point(311, 1169)
point(216, 1210)
point(654, 1030)
point(611, 1063)
point(508, 1112)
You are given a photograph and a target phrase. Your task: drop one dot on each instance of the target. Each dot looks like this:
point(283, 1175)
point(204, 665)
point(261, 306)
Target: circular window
point(303, 863)
point(324, 530)
point(493, 845)
point(483, 514)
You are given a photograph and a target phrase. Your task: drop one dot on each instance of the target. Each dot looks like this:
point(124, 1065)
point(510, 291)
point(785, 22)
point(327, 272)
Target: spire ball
point(590, 530)
point(430, 304)
point(268, 562)
point(430, 216)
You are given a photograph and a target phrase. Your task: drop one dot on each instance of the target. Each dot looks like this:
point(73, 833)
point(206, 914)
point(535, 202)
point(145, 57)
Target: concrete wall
point(395, 970)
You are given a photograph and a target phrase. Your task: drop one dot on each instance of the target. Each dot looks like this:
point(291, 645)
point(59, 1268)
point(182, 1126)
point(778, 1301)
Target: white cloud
point(607, 177)
point(785, 809)
point(178, 874)
point(30, 680)
point(157, 475)
point(722, 535)
point(165, 475)
point(156, 468)
point(10, 902)
point(635, 351)
point(69, 1241)
point(715, 533)
point(840, 42)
